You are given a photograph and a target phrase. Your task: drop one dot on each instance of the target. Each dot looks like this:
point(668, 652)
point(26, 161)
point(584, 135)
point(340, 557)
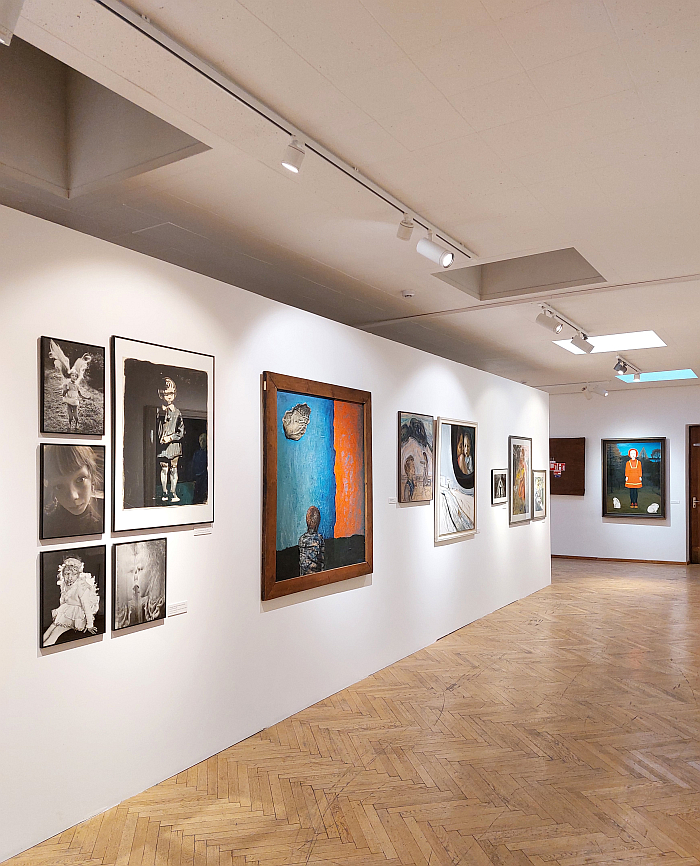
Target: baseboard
point(617, 559)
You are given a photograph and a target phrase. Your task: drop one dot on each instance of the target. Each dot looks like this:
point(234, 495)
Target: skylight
point(616, 342)
point(661, 376)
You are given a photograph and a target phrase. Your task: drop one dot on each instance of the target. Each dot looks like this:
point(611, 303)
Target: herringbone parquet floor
point(563, 729)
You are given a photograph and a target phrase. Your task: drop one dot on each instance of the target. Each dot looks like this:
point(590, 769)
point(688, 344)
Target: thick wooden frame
point(146, 540)
point(641, 515)
point(158, 516)
point(544, 473)
point(272, 383)
point(518, 520)
point(504, 499)
point(399, 489)
point(42, 392)
point(465, 533)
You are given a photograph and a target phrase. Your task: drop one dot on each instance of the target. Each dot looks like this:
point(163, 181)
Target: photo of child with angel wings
point(77, 613)
point(72, 387)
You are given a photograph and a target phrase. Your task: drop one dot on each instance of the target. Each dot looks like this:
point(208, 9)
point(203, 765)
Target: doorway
point(694, 491)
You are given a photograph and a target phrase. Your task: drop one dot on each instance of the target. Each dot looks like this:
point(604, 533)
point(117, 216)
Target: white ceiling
point(516, 126)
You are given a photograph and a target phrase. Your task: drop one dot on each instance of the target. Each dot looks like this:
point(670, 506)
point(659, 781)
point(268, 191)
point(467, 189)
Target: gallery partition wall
point(137, 693)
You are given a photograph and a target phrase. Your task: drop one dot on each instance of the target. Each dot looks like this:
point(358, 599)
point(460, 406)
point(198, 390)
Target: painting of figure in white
point(139, 582)
point(455, 506)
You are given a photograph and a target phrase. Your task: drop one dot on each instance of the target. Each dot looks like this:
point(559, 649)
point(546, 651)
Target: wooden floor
point(563, 729)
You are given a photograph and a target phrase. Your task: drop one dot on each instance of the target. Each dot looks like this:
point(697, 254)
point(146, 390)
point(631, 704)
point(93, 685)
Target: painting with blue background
point(305, 470)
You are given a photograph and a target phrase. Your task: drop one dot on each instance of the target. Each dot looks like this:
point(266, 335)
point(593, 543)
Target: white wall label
point(204, 529)
point(176, 608)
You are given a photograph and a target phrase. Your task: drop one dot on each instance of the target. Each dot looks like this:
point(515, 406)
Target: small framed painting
point(634, 473)
point(162, 455)
point(72, 490)
point(539, 494)
point(72, 387)
point(72, 594)
point(455, 506)
point(317, 484)
point(520, 479)
point(415, 457)
point(499, 486)
point(138, 582)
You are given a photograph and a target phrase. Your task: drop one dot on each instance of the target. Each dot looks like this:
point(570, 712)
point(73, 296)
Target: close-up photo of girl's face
point(72, 491)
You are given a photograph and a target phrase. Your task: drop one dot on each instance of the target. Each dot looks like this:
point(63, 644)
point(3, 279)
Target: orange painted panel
point(349, 470)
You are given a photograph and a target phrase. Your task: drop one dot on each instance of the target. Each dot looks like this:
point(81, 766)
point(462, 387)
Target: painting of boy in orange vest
point(633, 476)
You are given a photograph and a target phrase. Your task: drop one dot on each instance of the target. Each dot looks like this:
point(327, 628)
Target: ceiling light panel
point(617, 342)
point(660, 376)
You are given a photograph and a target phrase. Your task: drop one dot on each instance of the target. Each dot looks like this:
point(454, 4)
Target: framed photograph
point(72, 594)
point(415, 457)
point(455, 507)
point(539, 494)
point(163, 404)
point(72, 490)
point(567, 466)
point(520, 475)
point(72, 387)
point(317, 484)
point(499, 486)
point(634, 478)
point(138, 582)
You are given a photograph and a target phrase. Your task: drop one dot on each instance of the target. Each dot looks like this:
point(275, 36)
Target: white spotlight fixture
point(620, 367)
point(293, 155)
point(587, 393)
point(428, 248)
point(405, 229)
point(547, 320)
point(580, 340)
point(9, 16)
point(637, 377)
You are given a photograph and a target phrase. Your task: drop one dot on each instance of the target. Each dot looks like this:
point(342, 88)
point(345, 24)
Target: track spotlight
point(294, 156)
point(587, 393)
point(600, 390)
point(620, 368)
point(637, 377)
point(428, 248)
point(405, 229)
point(580, 340)
point(547, 320)
point(9, 16)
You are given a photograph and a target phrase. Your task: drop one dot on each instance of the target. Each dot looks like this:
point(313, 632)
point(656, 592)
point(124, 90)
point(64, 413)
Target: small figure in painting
point(312, 546)
point(500, 487)
point(200, 471)
point(426, 466)
point(79, 601)
point(171, 430)
point(409, 488)
point(71, 378)
point(633, 476)
point(519, 486)
point(71, 480)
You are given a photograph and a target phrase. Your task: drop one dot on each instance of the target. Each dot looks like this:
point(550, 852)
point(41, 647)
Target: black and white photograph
point(72, 594)
point(499, 486)
point(138, 582)
point(163, 409)
point(72, 387)
point(72, 490)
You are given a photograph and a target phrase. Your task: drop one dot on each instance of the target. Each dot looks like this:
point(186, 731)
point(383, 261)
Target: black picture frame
point(145, 607)
point(653, 471)
point(59, 468)
point(94, 565)
point(57, 359)
point(137, 502)
point(496, 476)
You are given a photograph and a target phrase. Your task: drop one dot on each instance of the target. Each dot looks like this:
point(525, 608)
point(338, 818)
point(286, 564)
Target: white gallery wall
point(85, 725)
point(578, 527)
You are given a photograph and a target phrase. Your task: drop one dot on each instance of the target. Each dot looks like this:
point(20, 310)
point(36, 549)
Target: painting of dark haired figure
point(162, 444)
point(415, 457)
point(317, 518)
point(72, 494)
point(455, 508)
point(72, 594)
point(72, 387)
point(138, 578)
